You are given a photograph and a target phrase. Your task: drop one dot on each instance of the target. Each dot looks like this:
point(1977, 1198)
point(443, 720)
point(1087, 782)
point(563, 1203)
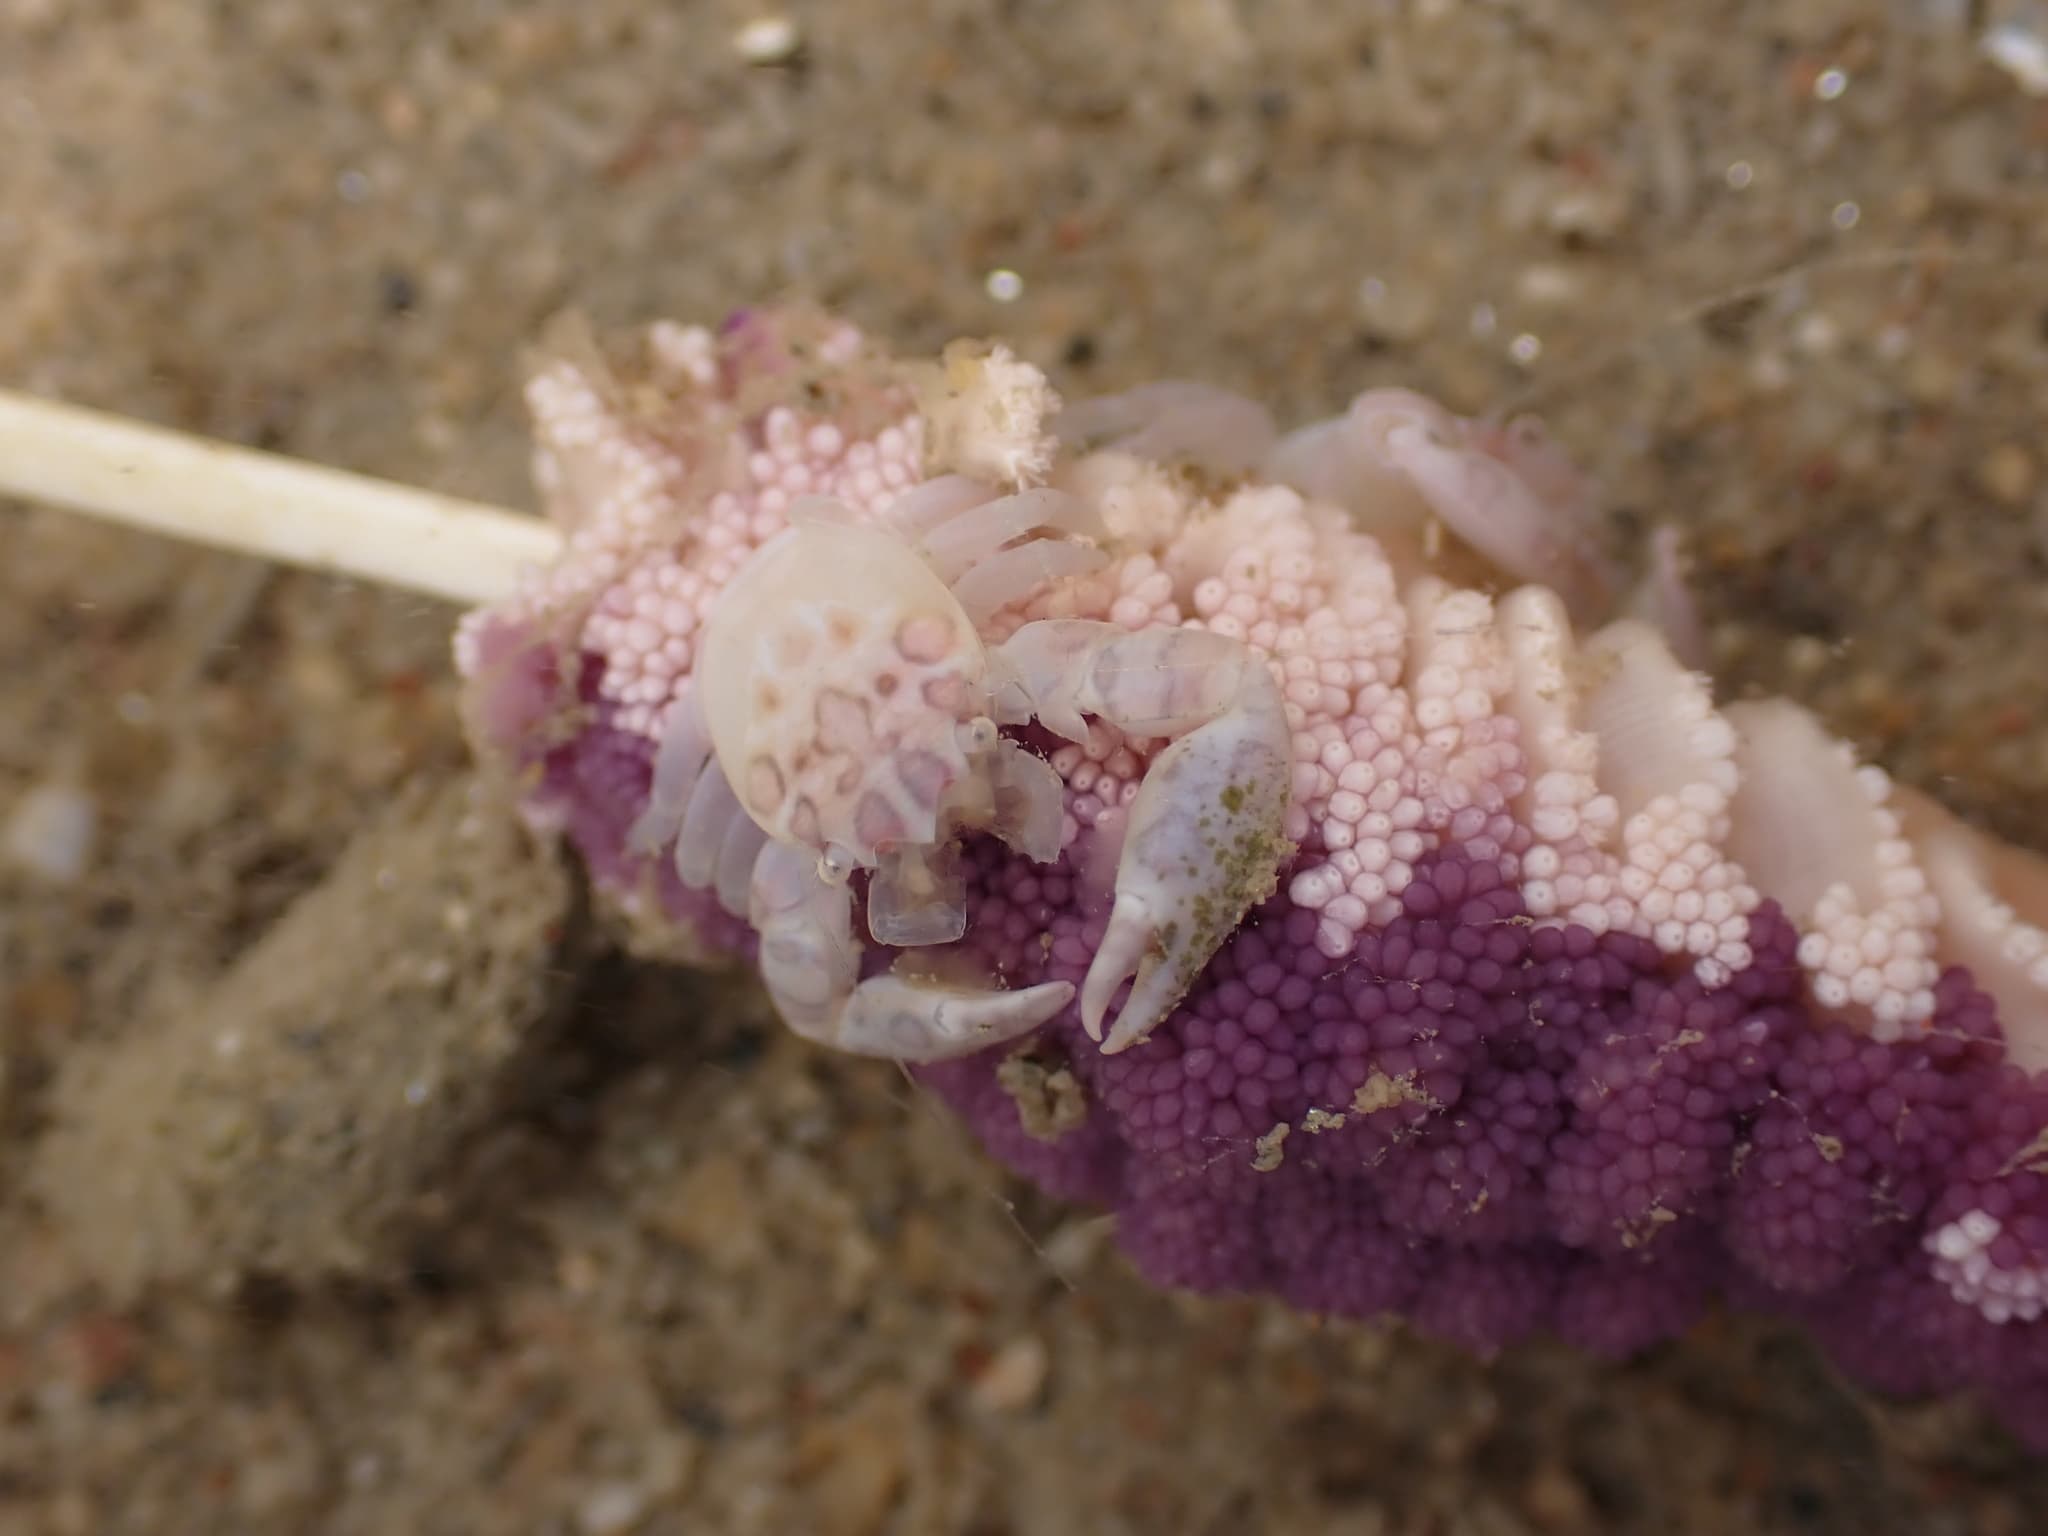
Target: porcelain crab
point(846, 714)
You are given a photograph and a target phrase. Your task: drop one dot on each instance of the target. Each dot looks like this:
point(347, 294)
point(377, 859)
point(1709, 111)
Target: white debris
point(1961, 1252)
point(52, 831)
point(1013, 1380)
point(988, 415)
point(768, 40)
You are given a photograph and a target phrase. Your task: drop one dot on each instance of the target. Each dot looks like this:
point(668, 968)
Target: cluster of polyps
point(843, 623)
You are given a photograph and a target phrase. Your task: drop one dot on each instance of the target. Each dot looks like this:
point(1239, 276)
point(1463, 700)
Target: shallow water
point(649, 1265)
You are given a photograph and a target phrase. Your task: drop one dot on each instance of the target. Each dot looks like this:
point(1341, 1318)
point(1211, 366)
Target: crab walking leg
point(679, 763)
point(738, 852)
point(712, 810)
point(1203, 840)
point(811, 967)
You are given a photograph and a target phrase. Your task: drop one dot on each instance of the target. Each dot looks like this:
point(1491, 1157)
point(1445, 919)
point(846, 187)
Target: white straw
point(263, 504)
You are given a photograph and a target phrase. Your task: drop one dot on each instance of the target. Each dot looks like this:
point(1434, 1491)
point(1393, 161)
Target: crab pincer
point(810, 963)
point(1204, 842)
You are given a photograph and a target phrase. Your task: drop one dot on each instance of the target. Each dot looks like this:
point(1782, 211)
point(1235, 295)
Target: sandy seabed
point(353, 1182)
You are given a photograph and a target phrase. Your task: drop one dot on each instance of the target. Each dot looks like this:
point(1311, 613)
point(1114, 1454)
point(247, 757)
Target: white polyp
point(1982, 889)
point(1962, 1262)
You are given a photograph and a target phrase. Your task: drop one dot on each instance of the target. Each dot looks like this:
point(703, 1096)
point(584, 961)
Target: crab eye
point(976, 735)
point(836, 865)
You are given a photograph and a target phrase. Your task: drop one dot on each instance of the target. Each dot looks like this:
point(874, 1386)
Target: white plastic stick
point(264, 504)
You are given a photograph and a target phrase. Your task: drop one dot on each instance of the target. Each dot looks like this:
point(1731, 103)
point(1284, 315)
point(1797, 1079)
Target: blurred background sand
point(589, 1246)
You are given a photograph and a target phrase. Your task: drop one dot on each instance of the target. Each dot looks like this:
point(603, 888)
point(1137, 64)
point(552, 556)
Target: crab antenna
point(264, 504)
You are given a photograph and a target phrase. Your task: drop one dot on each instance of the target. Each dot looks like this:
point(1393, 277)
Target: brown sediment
point(296, 1117)
point(757, 1297)
point(1050, 1100)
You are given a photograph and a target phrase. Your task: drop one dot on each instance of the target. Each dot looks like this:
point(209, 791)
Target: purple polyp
point(1496, 1129)
point(1491, 1128)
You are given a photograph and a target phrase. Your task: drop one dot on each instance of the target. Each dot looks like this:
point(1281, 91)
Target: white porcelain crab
point(846, 715)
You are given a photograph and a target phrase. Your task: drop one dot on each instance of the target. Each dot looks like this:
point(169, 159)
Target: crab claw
point(1133, 950)
point(810, 963)
point(1204, 845)
point(905, 1020)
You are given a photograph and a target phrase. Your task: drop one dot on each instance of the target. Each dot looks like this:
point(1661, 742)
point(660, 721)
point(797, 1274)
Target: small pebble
point(854, 1467)
point(2020, 48)
point(1013, 1380)
point(768, 40)
point(611, 1509)
point(1769, 372)
point(1398, 311)
point(1554, 1500)
point(52, 831)
point(1817, 335)
point(1076, 1244)
point(1550, 285)
point(71, 1514)
point(670, 1461)
point(2006, 474)
point(1806, 657)
point(1588, 213)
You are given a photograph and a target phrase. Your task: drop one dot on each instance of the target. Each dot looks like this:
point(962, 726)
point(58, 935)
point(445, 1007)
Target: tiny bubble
point(1846, 215)
point(1829, 84)
point(1741, 174)
point(353, 186)
point(1525, 348)
point(1004, 286)
point(1483, 320)
point(135, 709)
point(416, 1092)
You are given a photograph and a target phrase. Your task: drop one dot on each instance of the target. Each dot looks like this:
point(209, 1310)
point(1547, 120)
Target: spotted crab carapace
point(847, 714)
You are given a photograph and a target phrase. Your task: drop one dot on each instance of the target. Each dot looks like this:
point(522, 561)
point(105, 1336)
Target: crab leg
point(1203, 840)
point(679, 762)
point(691, 806)
point(712, 811)
point(811, 966)
point(956, 545)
